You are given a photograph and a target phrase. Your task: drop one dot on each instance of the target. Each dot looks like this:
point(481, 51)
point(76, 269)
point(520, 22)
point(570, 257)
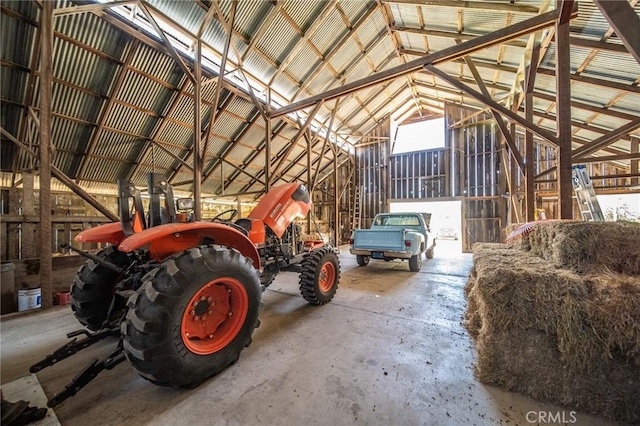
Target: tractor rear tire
point(93, 289)
point(362, 260)
point(192, 316)
point(320, 276)
point(415, 262)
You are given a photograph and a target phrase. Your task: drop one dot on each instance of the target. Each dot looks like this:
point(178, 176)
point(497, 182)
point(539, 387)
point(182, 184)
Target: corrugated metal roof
point(615, 66)
point(188, 14)
point(139, 90)
point(277, 47)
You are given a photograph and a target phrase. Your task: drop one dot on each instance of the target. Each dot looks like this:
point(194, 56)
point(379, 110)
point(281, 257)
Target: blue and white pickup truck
point(394, 236)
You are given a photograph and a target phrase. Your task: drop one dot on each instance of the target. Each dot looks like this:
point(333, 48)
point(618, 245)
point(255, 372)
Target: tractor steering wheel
point(231, 212)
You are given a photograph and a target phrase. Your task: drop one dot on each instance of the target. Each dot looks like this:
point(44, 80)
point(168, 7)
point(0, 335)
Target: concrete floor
point(389, 349)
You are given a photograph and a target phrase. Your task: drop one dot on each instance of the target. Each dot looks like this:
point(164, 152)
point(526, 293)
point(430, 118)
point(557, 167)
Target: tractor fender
point(110, 233)
point(171, 238)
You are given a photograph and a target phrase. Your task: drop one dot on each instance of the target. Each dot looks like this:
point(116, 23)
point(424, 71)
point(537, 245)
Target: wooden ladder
point(357, 208)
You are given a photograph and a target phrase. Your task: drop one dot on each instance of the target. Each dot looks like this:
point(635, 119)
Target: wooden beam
point(449, 34)
point(605, 140)
point(223, 65)
point(496, 116)
point(90, 7)
point(106, 110)
point(264, 25)
point(166, 42)
point(478, 5)
point(525, 27)
point(295, 139)
point(65, 179)
point(625, 21)
point(324, 145)
point(336, 48)
point(318, 22)
point(494, 105)
point(45, 166)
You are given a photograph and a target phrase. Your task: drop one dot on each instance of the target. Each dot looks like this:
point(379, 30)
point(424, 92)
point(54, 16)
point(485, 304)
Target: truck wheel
point(192, 316)
point(362, 260)
point(415, 262)
point(320, 276)
point(93, 289)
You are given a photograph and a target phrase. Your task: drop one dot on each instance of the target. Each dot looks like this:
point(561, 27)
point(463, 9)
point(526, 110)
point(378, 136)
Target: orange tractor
point(184, 297)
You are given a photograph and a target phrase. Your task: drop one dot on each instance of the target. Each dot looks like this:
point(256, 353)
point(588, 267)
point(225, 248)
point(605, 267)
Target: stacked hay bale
point(556, 316)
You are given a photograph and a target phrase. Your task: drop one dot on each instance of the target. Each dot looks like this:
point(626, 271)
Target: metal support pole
point(46, 81)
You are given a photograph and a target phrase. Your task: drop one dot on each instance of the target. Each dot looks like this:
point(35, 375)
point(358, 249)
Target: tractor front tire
point(192, 316)
point(362, 260)
point(93, 289)
point(320, 276)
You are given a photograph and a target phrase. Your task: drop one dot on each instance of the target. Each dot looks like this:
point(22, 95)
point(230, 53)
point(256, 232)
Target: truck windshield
point(407, 220)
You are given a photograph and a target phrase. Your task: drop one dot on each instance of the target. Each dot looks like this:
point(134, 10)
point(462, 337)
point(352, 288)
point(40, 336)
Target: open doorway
point(446, 220)
point(418, 136)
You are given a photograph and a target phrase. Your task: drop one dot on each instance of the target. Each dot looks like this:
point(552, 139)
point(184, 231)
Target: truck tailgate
point(379, 239)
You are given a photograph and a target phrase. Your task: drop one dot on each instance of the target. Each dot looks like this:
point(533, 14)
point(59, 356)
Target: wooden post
point(530, 198)
point(635, 144)
point(309, 183)
point(46, 81)
point(197, 128)
point(563, 107)
point(29, 250)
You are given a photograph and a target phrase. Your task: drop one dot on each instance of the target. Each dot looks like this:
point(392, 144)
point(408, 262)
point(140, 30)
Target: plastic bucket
point(62, 298)
point(29, 299)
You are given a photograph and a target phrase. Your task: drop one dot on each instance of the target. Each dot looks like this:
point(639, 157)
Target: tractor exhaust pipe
point(95, 258)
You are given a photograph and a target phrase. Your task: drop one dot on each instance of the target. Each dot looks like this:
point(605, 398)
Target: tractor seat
point(245, 225)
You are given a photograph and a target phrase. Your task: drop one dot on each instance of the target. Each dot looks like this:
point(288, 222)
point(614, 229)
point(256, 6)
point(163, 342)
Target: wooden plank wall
point(372, 172)
point(481, 173)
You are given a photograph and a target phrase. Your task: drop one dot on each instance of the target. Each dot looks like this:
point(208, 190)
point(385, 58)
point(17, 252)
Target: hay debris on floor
point(565, 335)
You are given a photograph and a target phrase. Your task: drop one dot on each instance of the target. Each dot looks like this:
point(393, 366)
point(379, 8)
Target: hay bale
point(516, 289)
point(472, 318)
point(588, 246)
point(528, 362)
point(554, 334)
